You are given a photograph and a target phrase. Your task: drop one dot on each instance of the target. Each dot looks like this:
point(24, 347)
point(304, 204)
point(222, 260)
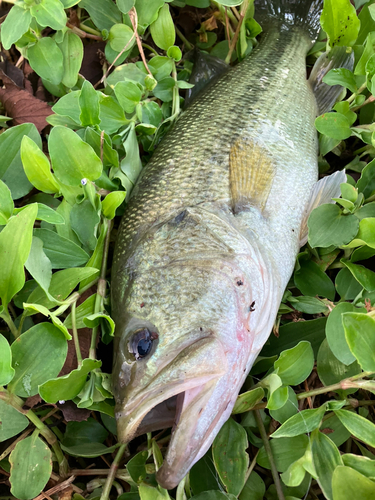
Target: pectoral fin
point(251, 175)
point(323, 192)
point(326, 95)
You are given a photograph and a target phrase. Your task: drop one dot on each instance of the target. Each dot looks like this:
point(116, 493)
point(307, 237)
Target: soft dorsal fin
point(251, 173)
point(326, 95)
point(323, 192)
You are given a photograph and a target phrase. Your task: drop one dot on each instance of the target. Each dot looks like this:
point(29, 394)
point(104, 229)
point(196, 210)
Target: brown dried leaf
point(22, 106)
point(210, 24)
point(72, 413)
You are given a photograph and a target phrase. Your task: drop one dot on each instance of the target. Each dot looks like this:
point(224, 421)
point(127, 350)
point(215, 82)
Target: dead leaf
point(210, 24)
point(33, 401)
point(72, 413)
point(22, 106)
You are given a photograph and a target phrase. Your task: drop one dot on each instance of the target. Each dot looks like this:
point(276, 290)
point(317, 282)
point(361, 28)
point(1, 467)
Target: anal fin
point(251, 173)
point(323, 192)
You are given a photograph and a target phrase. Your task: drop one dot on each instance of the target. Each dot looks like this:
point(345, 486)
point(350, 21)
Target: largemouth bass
point(209, 239)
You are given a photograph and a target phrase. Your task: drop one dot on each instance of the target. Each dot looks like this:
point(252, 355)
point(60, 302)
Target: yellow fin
point(251, 173)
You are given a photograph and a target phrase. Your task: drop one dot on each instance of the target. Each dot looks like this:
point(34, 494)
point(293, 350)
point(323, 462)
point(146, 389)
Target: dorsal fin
point(251, 173)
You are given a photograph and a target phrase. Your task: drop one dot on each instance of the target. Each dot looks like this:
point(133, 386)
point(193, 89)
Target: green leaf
point(49, 13)
point(305, 421)
point(295, 365)
point(326, 457)
point(163, 30)
point(203, 475)
point(37, 167)
point(331, 370)
point(69, 386)
point(366, 183)
point(341, 76)
point(359, 333)
point(148, 492)
point(12, 422)
point(285, 451)
point(31, 467)
point(111, 203)
point(120, 36)
point(72, 50)
point(125, 5)
point(247, 400)
point(84, 309)
point(311, 280)
point(111, 115)
point(364, 465)
point(348, 483)
point(328, 226)
point(364, 276)
point(336, 334)
point(39, 265)
point(334, 125)
point(346, 285)
point(288, 410)
point(128, 95)
point(6, 203)
point(103, 13)
point(38, 355)
point(72, 159)
point(366, 233)
point(230, 3)
point(15, 25)
point(6, 370)
point(84, 220)
point(308, 305)
point(15, 244)
point(147, 11)
point(137, 466)
point(46, 59)
point(160, 67)
point(230, 457)
point(359, 426)
point(96, 319)
point(131, 165)
point(339, 20)
point(254, 488)
point(277, 398)
point(62, 252)
point(11, 169)
point(164, 89)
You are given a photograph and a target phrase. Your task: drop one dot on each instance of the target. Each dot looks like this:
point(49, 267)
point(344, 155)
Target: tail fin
point(301, 13)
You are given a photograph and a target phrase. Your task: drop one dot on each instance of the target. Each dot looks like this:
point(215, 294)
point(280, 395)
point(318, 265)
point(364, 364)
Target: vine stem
point(267, 447)
point(17, 404)
point(112, 473)
point(344, 384)
point(8, 320)
point(249, 471)
point(182, 37)
point(75, 334)
point(233, 42)
point(134, 20)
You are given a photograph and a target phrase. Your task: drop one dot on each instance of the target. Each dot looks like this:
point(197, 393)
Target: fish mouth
point(179, 397)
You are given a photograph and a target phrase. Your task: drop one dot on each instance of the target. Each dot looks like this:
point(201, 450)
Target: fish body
point(208, 243)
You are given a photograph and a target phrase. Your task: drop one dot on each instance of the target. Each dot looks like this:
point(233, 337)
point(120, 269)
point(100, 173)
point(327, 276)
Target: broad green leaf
point(111, 202)
point(72, 159)
point(49, 13)
point(121, 36)
point(148, 492)
point(72, 51)
point(148, 11)
point(6, 370)
point(11, 169)
point(65, 230)
point(125, 5)
point(15, 244)
point(131, 165)
point(203, 475)
point(39, 265)
point(89, 105)
point(128, 95)
point(15, 25)
point(164, 89)
point(339, 20)
point(364, 465)
point(104, 13)
point(84, 220)
point(308, 305)
point(230, 3)
point(346, 285)
point(336, 334)
point(163, 30)
point(359, 333)
point(37, 355)
point(111, 115)
point(37, 167)
point(68, 105)
point(326, 457)
point(46, 59)
point(137, 466)
point(69, 386)
point(61, 252)
point(12, 422)
point(366, 183)
point(366, 234)
point(303, 422)
point(161, 67)
point(364, 276)
point(254, 488)
point(334, 125)
point(341, 76)
point(31, 467)
point(230, 457)
point(89, 450)
point(278, 398)
point(295, 365)
point(285, 451)
point(46, 312)
point(98, 319)
point(359, 426)
point(247, 400)
point(151, 113)
point(337, 432)
point(110, 156)
point(6, 203)
point(328, 226)
point(331, 370)
point(311, 280)
point(288, 410)
point(348, 483)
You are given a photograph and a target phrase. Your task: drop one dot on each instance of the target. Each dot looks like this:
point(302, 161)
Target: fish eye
point(141, 342)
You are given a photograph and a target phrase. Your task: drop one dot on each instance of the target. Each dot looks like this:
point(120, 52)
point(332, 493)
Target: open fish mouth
point(182, 399)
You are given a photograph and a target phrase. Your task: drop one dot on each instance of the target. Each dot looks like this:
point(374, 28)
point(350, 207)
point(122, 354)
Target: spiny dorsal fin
point(322, 192)
point(251, 173)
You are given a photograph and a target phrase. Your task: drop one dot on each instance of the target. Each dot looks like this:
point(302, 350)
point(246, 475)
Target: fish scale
point(208, 242)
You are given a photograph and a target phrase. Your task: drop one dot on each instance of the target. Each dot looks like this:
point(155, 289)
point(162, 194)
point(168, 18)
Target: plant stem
point(267, 447)
point(112, 473)
point(233, 42)
point(75, 334)
point(182, 37)
point(151, 49)
point(249, 471)
point(134, 20)
point(344, 384)
point(8, 320)
point(83, 27)
point(359, 91)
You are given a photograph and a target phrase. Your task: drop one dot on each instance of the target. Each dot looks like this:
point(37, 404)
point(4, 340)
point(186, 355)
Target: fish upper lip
point(130, 414)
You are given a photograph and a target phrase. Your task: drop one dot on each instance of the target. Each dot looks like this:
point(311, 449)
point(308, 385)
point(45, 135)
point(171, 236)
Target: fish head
point(183, 344)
